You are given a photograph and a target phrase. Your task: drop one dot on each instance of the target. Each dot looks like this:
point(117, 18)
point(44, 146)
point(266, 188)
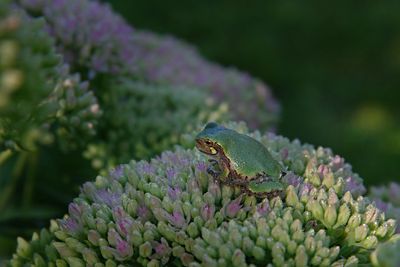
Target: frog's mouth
point(206, 147)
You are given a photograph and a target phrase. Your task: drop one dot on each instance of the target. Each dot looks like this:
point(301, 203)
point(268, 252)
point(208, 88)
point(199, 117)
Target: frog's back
point(251, 156)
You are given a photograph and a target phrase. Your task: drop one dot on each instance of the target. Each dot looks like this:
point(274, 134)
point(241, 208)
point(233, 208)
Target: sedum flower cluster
point(387, 198)
point(38, 94)
point(143, 120)
point(169, 211)
point(28, 62)
point(97, 42)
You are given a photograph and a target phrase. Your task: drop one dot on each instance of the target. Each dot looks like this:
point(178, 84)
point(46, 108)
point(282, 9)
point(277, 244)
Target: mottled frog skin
point(238, 159)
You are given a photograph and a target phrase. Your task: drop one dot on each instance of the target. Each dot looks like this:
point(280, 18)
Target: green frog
point(239, 160)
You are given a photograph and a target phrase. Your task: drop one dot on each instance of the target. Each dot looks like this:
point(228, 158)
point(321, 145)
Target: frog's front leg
point(218, 171)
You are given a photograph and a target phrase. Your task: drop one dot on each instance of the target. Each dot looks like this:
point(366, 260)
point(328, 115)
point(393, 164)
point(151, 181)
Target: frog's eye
point(213, 151)
point(208, 143)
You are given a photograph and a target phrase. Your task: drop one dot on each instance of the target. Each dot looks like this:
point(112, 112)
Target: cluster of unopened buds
point(170, 211)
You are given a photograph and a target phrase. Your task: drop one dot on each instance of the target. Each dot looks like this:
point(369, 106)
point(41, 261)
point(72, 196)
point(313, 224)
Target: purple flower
point(233, 207)
point(123, 249)
point(201, 166)
point(91, 36)
point(263, 208)
point(71, 226)
point(74, 210)
point(355, 186)
point(177, 219)
point(292, 179)
point(174, 193)
point(207, 212)
point(322, 171)
point(394, 193)
point(143, 212)
point(170, 173)
point(337, 163)
point(117, 172)
point(144, 168)
point(381, 205)
point(123, 221)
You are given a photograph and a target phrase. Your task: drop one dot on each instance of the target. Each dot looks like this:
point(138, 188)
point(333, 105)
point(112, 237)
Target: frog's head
point(207, 140)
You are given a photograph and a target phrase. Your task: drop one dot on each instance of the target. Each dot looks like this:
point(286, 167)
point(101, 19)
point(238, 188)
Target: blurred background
point(335, 69)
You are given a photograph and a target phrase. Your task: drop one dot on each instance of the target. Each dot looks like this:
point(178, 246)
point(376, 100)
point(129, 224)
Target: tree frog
point(240, 160)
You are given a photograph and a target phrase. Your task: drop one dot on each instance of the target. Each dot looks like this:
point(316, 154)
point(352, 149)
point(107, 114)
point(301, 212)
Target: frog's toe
point(213, 172)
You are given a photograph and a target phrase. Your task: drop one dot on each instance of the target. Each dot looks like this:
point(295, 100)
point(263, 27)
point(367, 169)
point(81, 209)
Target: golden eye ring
point(213, 151)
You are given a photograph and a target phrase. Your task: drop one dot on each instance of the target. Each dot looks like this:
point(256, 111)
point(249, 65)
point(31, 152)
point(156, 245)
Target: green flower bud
point(391, 227)
point(258, 253)
point(208, 261)
point(75, 262)
point(261, 242)
point(193, 230)
point(61, 263)
point(322, 252)
point(351, 262)
point(153, 263)
point(278, 254)
point(361, 232)
point(343, 217)
point(316, 260)
point(64, 250)
point(301, 258)
point(339, 186)
point(177, 251)
point(236, 238)
point(354, 220)
point(370, 242)
point(101, 226)
point(166, 231)
point(89, 256)
point(93, 237)
point(371, 214)
point(296, 226)
point(189, 244)
point(137, 238)
point(212, 252)
point(61, 235)
point(225, 251)
point(330, 216)
point(38, 260)
point(247, 245)
point(199, 252)
point(24, 248)
point(298, 236)
point(291, 247)
point(238, 257)
point(314, 179)
point(106, 252)
point(187, 209)
point(316, 209)
point(310, 245)
point(145, 249)
point(328, 180)
point(186, 259)
point(74, 244)
point(262, 227)
point(334, 253)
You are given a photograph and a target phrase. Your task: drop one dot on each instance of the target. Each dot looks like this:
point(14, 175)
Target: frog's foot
point(215, 173)
point(218, 173)
point(265, 188)
point(268, 195)
point(236, 182)
point(261, 178)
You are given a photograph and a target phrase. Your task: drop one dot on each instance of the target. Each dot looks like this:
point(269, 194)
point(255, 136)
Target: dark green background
point(334, 66)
